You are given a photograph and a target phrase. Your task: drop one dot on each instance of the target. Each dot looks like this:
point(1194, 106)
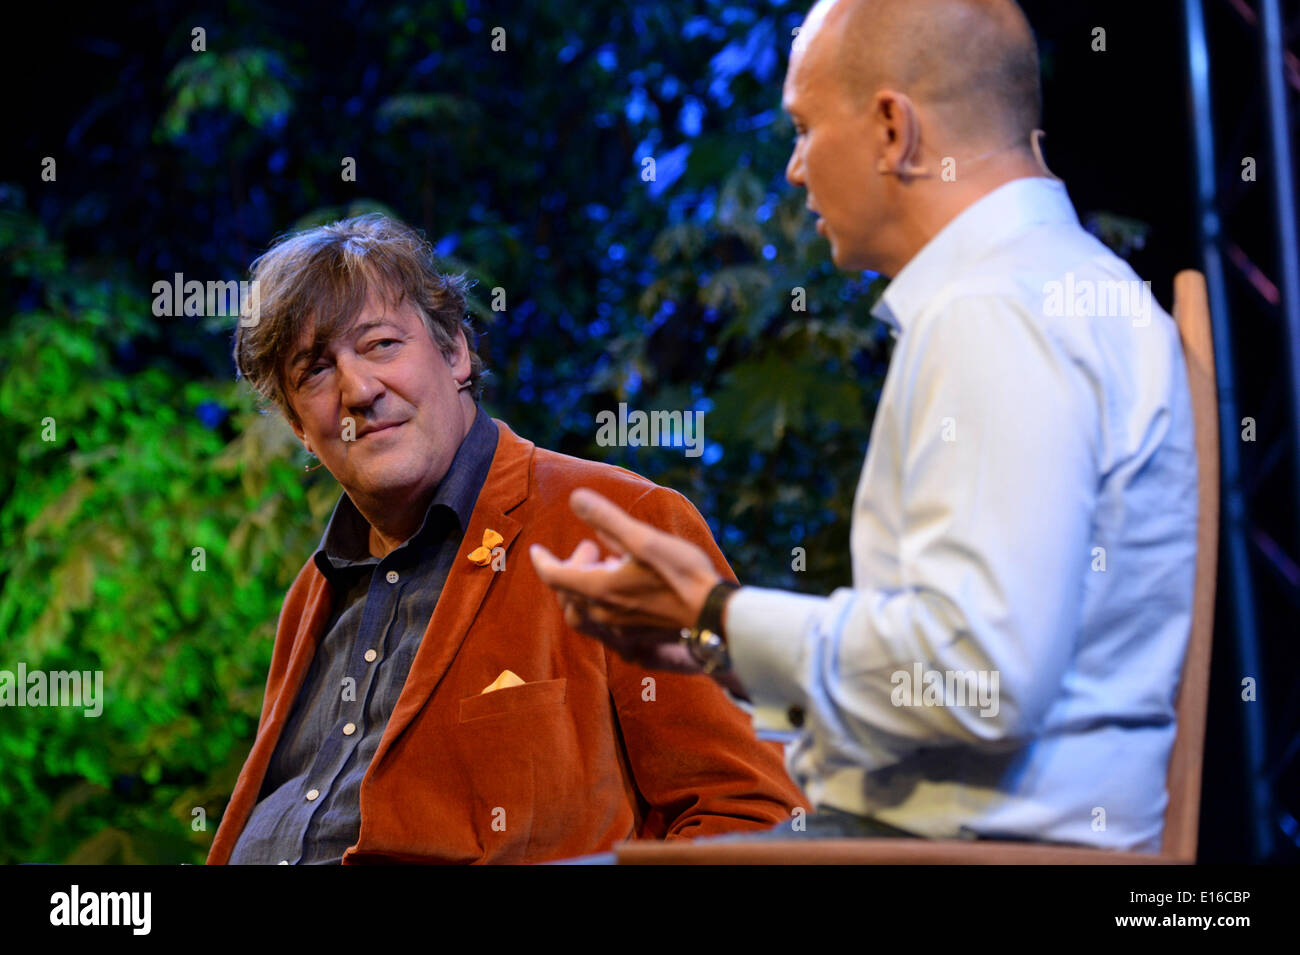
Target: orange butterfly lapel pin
point(483, 555)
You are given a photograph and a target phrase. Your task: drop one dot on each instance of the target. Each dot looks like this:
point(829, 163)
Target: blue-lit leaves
point(691, 119)
point(763, 120)
point(427, 65)
point(211, 414)
point(638, 106)
point(607, 58)
point(701, 26)
point(556, 200)
point(665, 311)
point(669, 167)
point(756, 54)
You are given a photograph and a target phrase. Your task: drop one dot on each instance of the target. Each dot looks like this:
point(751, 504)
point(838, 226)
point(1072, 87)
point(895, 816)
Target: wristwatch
point(705, 640)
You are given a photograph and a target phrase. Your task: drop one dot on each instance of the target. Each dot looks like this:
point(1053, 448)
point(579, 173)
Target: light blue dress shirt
point(1023, 540)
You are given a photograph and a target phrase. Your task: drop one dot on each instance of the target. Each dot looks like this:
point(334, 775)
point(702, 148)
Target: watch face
point(711, 652)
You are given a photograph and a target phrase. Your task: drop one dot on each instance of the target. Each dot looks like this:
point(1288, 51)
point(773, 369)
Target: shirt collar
point(980, 227)
point(346, 541)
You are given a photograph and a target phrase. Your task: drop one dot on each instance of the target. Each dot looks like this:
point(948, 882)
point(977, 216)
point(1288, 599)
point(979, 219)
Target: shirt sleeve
point(996, 481)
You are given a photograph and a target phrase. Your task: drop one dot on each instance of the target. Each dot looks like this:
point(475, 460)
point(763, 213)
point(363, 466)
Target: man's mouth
point(380, 429)
point(820, 225)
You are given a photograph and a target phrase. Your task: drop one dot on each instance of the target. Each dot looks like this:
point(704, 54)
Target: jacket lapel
point(311, 628)
point(467, 583)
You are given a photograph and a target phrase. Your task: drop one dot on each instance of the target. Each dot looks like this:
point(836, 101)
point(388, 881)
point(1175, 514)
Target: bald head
point(905, 112)
point(972, 63)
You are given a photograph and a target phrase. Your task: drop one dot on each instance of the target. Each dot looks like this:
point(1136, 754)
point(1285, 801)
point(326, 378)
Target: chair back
point(1182, 815)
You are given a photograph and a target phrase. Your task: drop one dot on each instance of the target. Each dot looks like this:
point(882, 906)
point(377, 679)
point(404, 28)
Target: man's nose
point(358, 386)
point(794, 168)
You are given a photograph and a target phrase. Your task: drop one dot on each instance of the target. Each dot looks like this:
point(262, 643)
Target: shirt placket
point(371, 649)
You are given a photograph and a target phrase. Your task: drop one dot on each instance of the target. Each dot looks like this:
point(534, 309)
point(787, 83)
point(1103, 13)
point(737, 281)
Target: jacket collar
point(346, 541)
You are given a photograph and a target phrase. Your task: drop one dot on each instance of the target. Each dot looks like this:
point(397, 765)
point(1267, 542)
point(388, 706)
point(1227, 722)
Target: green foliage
point(247, 83)
point(100, 526)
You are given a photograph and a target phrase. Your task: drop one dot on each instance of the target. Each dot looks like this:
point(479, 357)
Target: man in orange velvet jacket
point(514, 738)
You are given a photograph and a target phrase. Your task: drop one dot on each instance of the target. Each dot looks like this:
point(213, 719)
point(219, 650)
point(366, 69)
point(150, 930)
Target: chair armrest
point(875, 852)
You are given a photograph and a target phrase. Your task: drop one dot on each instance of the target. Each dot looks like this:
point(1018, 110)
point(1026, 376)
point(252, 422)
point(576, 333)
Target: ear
point(458, 357)
point(297, 429)
point(896, 133)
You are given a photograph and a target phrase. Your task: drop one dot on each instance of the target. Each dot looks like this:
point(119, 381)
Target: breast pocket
point(513, 699)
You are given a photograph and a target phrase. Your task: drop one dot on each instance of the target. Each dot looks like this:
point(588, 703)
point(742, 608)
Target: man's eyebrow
point(302, 356)
point(314, 349)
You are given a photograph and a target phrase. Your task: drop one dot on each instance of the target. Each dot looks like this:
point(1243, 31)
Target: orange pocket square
point(507, 678)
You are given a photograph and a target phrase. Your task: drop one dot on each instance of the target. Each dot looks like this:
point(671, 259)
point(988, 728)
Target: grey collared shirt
point(309, 807)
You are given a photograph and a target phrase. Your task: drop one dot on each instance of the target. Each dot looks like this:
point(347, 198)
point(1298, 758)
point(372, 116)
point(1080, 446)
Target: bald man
point(1005, 664)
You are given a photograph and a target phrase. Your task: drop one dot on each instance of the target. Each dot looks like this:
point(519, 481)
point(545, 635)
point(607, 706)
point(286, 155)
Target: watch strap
point(714, 606)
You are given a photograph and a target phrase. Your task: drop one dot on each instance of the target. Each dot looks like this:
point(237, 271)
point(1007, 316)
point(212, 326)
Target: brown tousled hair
point(324, 275)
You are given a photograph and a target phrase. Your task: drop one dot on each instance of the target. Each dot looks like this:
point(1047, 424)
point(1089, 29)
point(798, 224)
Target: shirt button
point(312, 794)
point(349, 729)
point(795, 716)
point(391, 576)
point(370, 656)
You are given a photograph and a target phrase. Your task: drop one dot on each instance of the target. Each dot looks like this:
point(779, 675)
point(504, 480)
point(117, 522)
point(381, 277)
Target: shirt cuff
point(736, 701)
point(765, 639)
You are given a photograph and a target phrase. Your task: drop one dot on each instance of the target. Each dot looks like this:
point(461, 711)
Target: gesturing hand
point(638, 599)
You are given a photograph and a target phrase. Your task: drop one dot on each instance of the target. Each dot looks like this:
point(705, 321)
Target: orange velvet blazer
point(591, 750)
